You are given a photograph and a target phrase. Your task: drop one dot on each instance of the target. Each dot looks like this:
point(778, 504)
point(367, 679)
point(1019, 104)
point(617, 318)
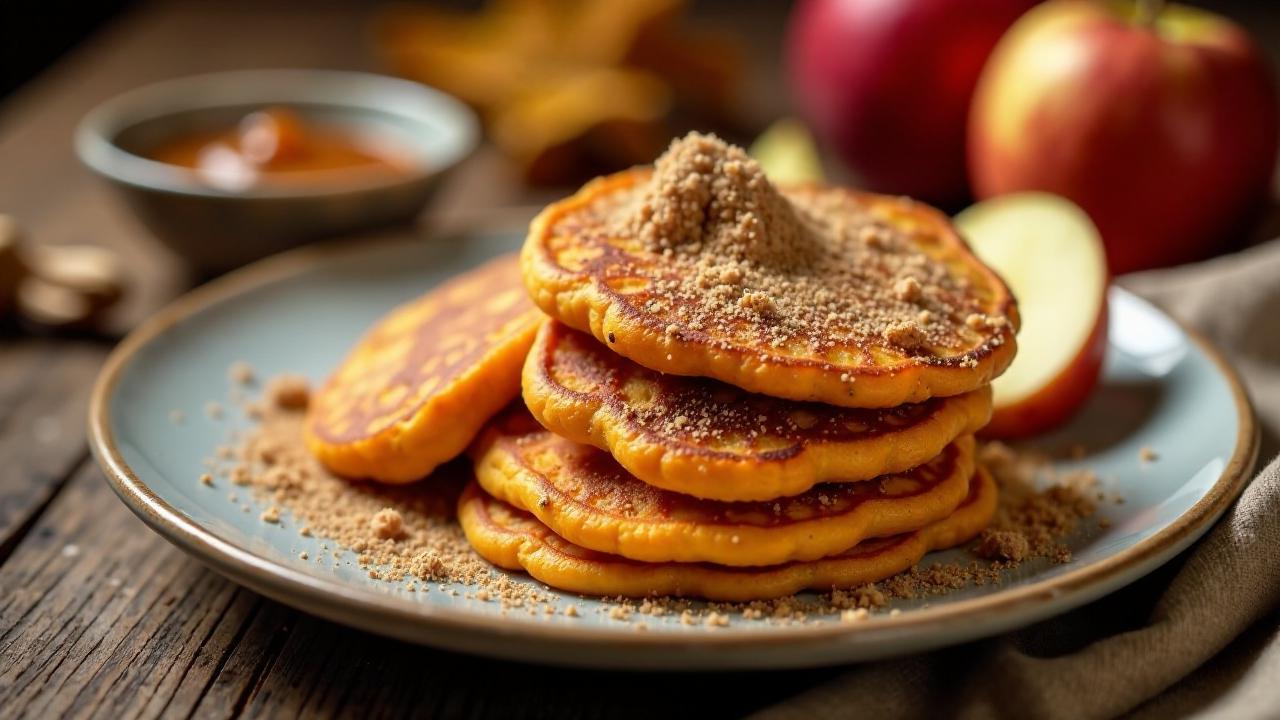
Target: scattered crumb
point(854, 615)
point(70, 550)
point(303, 555)
point(241, 373)
point(1004, 545)
point(206, 479)
point(271, 515)
point(289, 392)
point(571, 611)
point(387, 524)
point(1147, 455)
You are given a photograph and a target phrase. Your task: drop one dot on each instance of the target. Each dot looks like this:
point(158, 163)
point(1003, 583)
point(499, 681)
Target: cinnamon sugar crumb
point(241, 373)
point(271, 515)
point(386, 524)
point(855, 615)
point(1004, 545)
point(906, 335)
point(907, 288)
point(289, 392)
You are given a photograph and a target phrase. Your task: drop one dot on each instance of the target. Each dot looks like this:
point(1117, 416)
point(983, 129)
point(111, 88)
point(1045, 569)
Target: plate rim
point(407, 619)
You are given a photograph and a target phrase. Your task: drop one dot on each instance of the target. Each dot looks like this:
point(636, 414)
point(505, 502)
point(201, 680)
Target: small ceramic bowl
point(216, 229)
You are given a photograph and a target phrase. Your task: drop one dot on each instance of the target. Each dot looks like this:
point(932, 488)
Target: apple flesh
point(788, 154)
point(1164, 133)
point(1051, 256)
point(887, 84)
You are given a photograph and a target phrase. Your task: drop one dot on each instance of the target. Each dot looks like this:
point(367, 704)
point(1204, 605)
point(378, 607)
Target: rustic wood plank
point(101, 617)
point(20, 366)
point(326, 670)
point(42, 436)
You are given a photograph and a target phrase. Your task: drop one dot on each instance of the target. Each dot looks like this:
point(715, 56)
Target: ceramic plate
point(1164, 389)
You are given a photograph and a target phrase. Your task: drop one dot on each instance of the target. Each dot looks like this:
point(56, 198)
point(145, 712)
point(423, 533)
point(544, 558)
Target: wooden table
point(99, 615)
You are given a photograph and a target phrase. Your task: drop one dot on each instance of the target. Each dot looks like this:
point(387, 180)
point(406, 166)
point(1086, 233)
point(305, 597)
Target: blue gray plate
point(1164, 389)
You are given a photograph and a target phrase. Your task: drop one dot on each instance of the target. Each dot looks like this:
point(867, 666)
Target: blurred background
point(1159, 121)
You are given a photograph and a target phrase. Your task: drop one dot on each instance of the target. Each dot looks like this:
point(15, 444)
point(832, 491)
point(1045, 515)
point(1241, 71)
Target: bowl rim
point(95, 135)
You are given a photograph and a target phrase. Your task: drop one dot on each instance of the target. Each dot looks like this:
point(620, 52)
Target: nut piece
point(53, 306)
point(87, 270)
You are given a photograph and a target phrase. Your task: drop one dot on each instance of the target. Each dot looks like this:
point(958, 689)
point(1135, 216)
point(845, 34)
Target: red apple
point(1163, 129)
point(887, 84)
point(1050, 254)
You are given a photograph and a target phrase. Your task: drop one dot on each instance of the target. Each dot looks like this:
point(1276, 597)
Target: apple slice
point(787, 153)
point(1052, 257)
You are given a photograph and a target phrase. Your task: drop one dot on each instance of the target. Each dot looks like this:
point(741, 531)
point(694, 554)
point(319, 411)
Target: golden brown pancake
point(713, 440)
point(421, 383)
point(516, 540)
point(583, 495)
point(702, 267)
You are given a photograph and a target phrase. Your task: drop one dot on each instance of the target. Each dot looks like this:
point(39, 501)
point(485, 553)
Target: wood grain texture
point(106, 619)
point(44, 393)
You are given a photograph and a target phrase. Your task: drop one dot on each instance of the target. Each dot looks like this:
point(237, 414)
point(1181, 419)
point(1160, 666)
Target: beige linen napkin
point(1200, 636)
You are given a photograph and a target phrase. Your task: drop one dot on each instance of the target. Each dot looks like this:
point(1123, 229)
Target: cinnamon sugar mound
point(805, 270)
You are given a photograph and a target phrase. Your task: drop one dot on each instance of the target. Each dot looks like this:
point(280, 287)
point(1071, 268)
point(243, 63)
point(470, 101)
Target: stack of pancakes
point(700, 416)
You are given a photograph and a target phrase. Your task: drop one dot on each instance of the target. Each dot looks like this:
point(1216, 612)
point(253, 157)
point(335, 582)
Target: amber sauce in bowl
point(277, 146)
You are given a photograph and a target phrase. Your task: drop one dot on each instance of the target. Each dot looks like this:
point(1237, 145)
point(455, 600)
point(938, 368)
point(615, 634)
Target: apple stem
point(1148, 11)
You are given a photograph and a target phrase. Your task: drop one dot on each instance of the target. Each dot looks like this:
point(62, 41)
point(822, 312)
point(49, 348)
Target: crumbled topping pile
point(806, 272)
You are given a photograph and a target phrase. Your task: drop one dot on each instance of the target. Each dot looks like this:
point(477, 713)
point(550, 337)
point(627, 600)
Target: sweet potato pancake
point(700, 266)
point(713, 440)
point(583, 495)
point(419, 386)
point(513, 539)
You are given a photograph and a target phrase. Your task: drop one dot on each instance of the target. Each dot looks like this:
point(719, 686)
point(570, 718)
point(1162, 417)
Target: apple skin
point(887, 85)
point(1166, 137)
point(1057, 401)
